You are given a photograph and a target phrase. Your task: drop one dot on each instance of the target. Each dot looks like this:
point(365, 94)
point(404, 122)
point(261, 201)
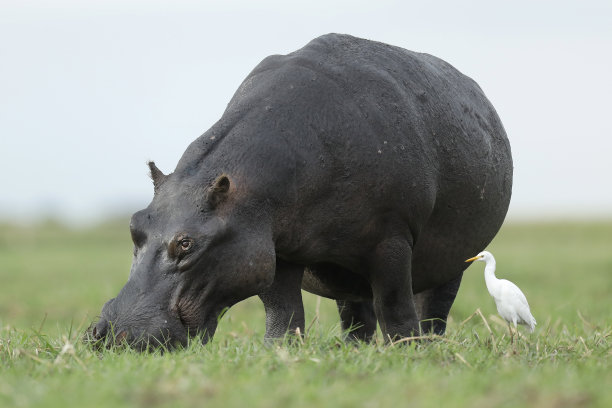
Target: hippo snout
point(107, 334)
point(142, 332)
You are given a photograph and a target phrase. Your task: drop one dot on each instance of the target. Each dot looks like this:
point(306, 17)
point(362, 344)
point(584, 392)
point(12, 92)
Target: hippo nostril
point(99, 331)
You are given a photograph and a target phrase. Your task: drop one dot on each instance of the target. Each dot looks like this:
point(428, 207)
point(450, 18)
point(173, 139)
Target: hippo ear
point(156, 175)
point(218, 191)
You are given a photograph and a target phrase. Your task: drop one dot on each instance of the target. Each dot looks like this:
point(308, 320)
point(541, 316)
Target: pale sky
point(91, 90)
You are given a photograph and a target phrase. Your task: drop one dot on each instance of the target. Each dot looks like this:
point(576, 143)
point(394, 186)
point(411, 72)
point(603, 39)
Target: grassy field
point(54, 280)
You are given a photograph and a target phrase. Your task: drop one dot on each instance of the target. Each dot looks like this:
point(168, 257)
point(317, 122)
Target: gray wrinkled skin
point(352, 169)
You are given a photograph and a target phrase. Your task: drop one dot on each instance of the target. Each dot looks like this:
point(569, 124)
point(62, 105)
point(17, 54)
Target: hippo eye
point(186, 244)
point(180, 246)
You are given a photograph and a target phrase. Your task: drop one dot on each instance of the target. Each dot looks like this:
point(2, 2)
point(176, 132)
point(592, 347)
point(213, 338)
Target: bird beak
point(473, 259)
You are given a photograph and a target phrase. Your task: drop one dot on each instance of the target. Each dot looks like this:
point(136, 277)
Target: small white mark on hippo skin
point(379, 151)
point(165, 322)
point(251, 263)
point(212, 137)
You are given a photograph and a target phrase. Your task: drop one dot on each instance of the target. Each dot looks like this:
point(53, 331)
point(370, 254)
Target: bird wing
point(515, 296)
point(511, 291)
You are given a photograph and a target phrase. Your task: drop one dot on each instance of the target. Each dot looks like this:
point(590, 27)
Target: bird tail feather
point(532, 324)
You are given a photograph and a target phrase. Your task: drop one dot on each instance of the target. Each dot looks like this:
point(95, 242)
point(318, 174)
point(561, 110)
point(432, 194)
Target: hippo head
point(197, 251)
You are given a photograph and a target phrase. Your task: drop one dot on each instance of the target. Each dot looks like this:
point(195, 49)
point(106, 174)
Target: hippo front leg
point(391, 280)
point(283, 301)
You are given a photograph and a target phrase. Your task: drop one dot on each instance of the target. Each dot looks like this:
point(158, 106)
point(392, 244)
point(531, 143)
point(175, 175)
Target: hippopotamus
point(351, 169)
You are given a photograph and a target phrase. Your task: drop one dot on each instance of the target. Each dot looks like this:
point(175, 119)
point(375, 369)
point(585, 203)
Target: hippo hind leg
point(358, 319)
point(353, 296)
point(434, 304)
point(390, 273)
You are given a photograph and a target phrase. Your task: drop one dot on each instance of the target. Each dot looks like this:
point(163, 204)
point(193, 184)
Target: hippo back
point(352, 129)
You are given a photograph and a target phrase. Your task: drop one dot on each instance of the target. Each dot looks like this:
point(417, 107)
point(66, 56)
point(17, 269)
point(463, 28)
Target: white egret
point(511, 303)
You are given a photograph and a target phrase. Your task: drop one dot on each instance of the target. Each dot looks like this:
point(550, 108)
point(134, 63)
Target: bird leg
point(512, 334)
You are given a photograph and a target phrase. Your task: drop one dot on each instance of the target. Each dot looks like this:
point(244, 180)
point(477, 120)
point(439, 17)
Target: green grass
point(54, 280)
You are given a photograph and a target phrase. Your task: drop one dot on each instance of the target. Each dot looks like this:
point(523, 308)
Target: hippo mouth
point(190, 322)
